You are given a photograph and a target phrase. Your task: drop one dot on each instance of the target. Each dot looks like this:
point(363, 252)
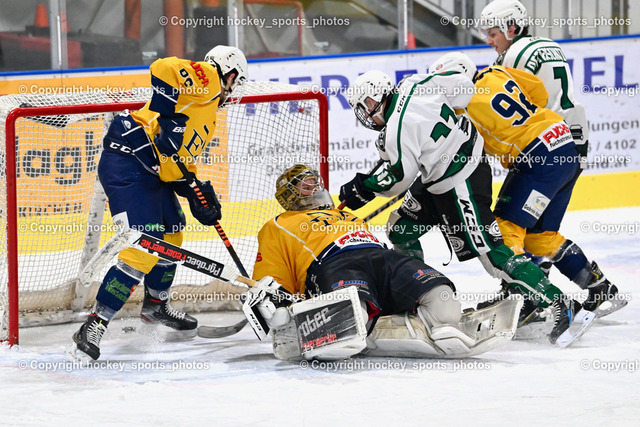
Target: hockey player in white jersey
point(505, 25)
point(421, 134)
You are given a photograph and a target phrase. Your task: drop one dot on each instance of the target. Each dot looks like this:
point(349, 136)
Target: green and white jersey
point(424, 136)
point(544, 58)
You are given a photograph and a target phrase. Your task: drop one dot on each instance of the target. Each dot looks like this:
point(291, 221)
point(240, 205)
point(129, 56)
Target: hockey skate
point(533, 322)
point(158, 311)
point(87, 339)
point(571, 321)
point(603, 297)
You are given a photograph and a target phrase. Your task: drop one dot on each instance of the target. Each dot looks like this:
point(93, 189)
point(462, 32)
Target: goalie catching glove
point(203, 202)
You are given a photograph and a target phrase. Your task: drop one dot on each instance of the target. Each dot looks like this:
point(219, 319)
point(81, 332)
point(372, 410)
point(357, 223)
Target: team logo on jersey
point(536, 204)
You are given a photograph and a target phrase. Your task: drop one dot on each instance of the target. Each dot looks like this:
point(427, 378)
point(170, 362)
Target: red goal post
point(49, 233)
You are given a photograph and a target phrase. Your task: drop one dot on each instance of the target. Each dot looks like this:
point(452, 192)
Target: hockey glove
point(171, 134)
point(581, 145)
point(203, 202)
point(205, 206)
point(355, 193)
point(260, 307)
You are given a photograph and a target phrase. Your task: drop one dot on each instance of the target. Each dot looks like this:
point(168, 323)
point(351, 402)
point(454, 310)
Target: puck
point(128, 329)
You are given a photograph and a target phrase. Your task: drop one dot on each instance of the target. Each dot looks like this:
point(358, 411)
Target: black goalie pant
point(463, 213)
point(391, 283)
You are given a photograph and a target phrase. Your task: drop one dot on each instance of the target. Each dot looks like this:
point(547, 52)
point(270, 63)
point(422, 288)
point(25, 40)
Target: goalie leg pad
point(492, 326)
point(401, 336)
point(329, 327)
point(439, 306)
point(422, 335)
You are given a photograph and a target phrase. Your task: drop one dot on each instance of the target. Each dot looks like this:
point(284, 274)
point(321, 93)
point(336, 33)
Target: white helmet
point(301, 188)
point(502, 13)
point(454, 61)
point(373, 84)
point(227, 60)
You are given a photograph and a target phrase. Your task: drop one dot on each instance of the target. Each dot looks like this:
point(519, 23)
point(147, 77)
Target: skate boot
point(603, 297)
point(88, 337)
point(160, 311)
point(501, 295)
point(571, 321)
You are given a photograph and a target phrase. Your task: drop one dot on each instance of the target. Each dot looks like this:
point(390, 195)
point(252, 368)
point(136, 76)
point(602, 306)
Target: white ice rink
point(141, 380)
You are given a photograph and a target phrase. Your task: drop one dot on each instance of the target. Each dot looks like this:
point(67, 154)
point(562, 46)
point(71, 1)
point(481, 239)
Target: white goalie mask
point(301, 188)
point(228, 60)
point(454, 61)
point(502, 13)
point(375, 85)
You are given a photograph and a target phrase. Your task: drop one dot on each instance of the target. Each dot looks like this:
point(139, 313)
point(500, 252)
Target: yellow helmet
point(290, 194)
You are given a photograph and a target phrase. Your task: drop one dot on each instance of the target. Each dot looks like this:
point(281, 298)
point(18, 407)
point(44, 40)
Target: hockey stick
point(375, 167)
point(129, 238)
point(212, 331)
point(191, 182)
point(178, 255)
point(384, 207)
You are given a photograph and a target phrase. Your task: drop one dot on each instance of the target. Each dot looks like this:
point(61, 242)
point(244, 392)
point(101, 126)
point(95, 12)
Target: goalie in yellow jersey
point(315, 250)
point(141, 170)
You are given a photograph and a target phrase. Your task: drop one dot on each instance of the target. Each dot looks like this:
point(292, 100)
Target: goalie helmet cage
point(53, 211)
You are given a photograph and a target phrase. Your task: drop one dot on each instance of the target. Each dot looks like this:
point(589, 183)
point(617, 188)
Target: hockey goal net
point(54, 215)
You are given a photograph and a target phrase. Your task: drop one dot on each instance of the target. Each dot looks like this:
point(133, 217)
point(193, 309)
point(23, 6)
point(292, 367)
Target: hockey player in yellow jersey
point(314, 249)
point(505, 25)
point(140, 170)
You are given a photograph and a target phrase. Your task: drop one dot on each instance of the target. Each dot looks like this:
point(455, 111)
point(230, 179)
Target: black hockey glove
point(171, 134)
point(203, 202)
point(582, 147)
point(355, 194)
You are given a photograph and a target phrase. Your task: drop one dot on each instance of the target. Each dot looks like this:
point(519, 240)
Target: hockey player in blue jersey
point(141, 175)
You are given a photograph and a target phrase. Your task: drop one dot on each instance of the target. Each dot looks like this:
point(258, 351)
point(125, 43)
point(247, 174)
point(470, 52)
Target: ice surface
point(144, 380)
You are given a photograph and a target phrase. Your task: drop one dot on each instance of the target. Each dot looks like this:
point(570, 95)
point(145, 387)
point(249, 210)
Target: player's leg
point(411, 220)
point(134, 201)
point(544, 240)
point(524, 198)
point(156, 307)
